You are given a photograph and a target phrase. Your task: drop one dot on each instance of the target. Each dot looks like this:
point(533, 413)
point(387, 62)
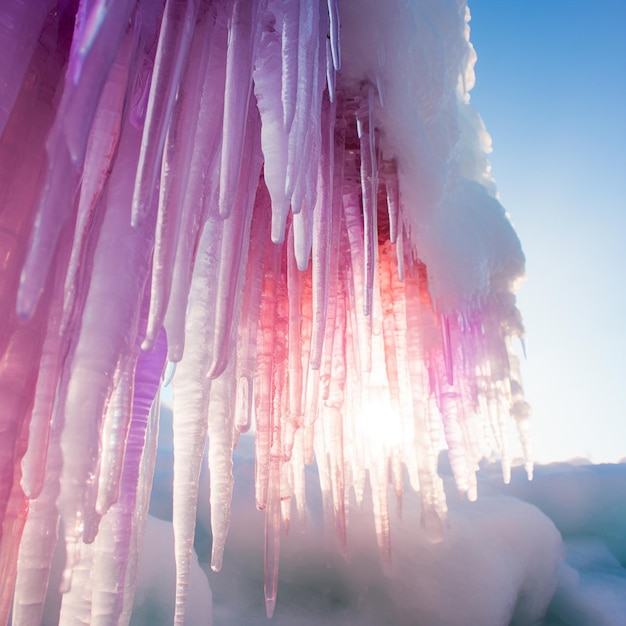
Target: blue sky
point(551, 88)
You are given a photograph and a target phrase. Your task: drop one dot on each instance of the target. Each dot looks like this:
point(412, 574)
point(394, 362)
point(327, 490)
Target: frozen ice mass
point(280, 214)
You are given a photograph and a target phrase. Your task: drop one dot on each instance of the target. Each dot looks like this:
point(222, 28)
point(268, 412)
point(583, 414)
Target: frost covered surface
point(291, 201)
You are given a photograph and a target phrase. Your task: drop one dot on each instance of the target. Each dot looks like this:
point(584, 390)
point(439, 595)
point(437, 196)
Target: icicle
point(65, 147)
point(179, 17)
point(140, 513)
point(201, 187)
point(115, 427)
point(175, 174)
point(295, 347)
point(263, 376)
point(335, 30)
point(113, 544)
point(267, 88)
point(38, 543)
point(289, 53)
point(300, 129)
point(431, 488)
point(323, 222)
point(250, 310)
point(272, 537)
point(354, 226)
point(106, 333)
point(101, 149)
point(365, 126)
point(191, 397)
point(220, 429)
point(393, 198)
point(76, 601)
point(333, 419)
point(242, 41)
point(234, 251)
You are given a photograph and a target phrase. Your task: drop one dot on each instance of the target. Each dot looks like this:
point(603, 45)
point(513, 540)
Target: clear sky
point(551, 88)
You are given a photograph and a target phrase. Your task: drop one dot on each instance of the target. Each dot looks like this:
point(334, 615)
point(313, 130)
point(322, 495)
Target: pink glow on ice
point(311, 247)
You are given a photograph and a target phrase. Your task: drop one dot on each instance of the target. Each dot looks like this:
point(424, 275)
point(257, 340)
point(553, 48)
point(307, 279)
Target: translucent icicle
point(333, 421)
point(76, 601)
point(242, 41)
point(295, 349)
point(201, 187)
point(220, 429)
point(177, 25)
point(289, 56)
point(101, 149)
point(335, 30)
point(38, 543)
point(354, 227)
point(267, 89)
point(113, 545)
point(250, 310)
point(430, 483)
point(263, 382)
point(392, 187)
point(272, 537)
point(323, 223)
point(34, 460)
point(175, 172)
point(191, 397)
point(234, 251)
point(331, 75)
point(365, 127)
point(108, 330)
point(65, 147)
point(279, 393)
point(115, 427)
point(457, 453)
point(140, 514)
point(308, 42)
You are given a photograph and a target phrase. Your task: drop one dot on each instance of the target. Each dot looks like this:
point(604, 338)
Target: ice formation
point(290, 199)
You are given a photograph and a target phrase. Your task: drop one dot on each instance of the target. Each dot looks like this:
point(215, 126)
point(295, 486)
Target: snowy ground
point(556, 545)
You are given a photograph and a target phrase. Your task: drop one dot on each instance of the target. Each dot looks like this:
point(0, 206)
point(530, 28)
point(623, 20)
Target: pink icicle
point(289, 56)
point(335, 30)
point(113, 546)
point(250, 310)
point(65, 147)
point(263, 377)
point(272, 537)
point(177, 25)
point(295, 349)
point(354, 227)
point(175, 174)
point(115, 425)
point(365, 126)
point(324, 222)
point(308, 60)
point(242, 42)
point(267, 89)
point(234, 251)
point(101, 149)
point(202, 185)
point(109, 327)
point(392, 188)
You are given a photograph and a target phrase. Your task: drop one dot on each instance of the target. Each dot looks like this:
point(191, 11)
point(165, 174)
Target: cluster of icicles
point(192, 181)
